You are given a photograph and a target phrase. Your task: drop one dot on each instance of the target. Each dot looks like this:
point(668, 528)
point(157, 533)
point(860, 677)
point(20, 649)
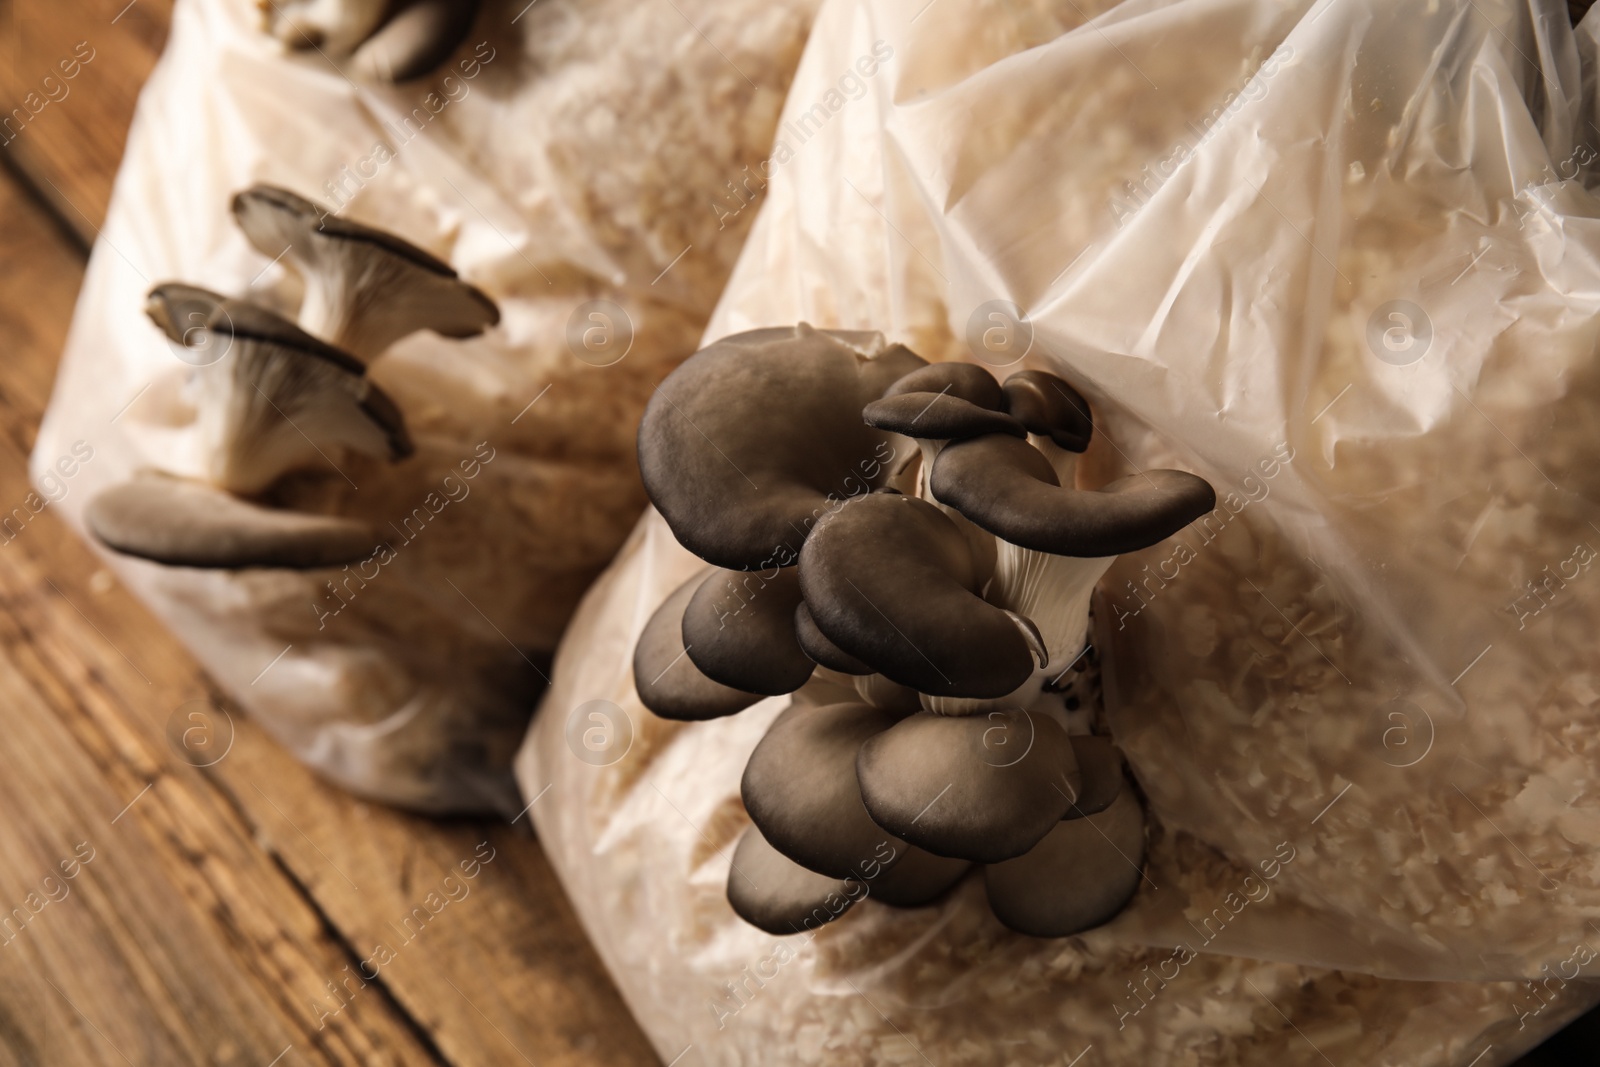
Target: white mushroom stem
point(1054, 592)
point(1064, 462)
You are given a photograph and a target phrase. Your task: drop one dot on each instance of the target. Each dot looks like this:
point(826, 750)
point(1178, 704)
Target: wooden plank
point(505, 971)
point(70, 73)
point(177, 939)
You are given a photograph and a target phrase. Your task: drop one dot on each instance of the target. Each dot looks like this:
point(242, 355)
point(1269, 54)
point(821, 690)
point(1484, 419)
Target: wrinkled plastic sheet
point(552, 162)
point(1340, 259)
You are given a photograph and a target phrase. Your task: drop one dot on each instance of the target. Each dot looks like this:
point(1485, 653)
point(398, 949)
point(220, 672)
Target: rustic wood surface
point(223, 913)
point(219, 915)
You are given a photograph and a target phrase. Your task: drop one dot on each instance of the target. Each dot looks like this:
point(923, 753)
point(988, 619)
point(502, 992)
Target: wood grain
point(65, 134)
point(181, 940)
point(292, 883)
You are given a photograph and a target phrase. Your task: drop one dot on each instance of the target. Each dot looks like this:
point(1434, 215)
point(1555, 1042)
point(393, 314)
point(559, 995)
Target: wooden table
point(217, 916)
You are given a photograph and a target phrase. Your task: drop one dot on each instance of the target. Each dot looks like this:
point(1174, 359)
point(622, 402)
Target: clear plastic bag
point(1340, 259)
point(553, 162)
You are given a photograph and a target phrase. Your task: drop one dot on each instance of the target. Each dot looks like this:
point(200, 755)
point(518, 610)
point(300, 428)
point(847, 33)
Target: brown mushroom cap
point(819, 648)
point(1078, 877)
point(983, 788)
point(800, 788)
point(739, 628)
point(1100, 767)
point(1006, 486)
point(754, 437)
point(773, 893)
point(415, 40)
point(365, 288)
point(666, 679)
point(891, 581)
point(1049, 407)
point(919, 878)
point(943, 401)
point(188, 524)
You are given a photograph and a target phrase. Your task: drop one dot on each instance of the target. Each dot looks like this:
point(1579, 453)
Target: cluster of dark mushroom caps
point(272, 397)
point(384, 40)
point(905, 541)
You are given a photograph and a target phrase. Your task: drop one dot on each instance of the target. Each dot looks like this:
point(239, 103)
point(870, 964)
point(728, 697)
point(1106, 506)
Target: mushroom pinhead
point(667, 681)
point(739, 628)
point(365, 288)
point(276, 398)
point(419, 37)
point(188, 524)
point(891, 581)
point(1007, 486)
point(773, 893)
point(982, 788)
point(800, 788)
point(943, 401)
point(1049, 407)
point(1079, 876)
point(754, 437)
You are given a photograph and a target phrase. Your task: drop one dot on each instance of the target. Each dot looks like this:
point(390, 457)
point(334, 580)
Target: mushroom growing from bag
point(385, 40)
point(270, 399)
point(912, 532)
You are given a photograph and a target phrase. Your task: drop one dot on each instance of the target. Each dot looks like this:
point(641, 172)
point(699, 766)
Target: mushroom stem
point(1052, 591)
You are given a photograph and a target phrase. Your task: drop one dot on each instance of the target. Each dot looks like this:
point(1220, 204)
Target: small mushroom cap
point(982, 788)
point(943, 401)
point(754, 437)
point(1100, 767)
point(1006, 486)
point(1080, 876)
point(419, 37)
point(180, 311)
point(917, 879)
point(188, 524)
point(739, 629)
point(667, 680)
point(800, 788)
point(819, 648)
point(773, 893)
point(1049, 407)
point(891, 581)
point(366, 288)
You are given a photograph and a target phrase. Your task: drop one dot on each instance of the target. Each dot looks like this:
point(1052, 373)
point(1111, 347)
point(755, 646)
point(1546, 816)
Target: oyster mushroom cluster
point(271, 397)
point(385, 40)
point(906, 541)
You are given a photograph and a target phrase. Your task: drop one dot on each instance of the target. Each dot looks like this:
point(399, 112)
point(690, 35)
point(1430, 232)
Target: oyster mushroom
point(365, 288)
point(755, 437)
point(278, 397)
point(890, 580)
point(943, 401)
point(391, 42)
point(981, 788)
point(415, 40)
point(800, 788)
point(184, 523)
point(666, 679)
point(773, 893)
point(739, 628)
point(272, 400)
point(1080, 875)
